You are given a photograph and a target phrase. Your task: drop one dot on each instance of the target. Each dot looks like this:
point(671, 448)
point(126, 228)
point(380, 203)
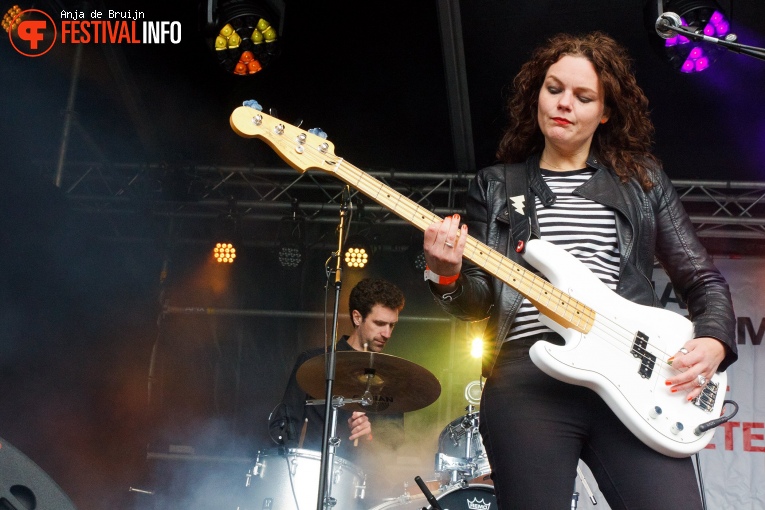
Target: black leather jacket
point(650, 226)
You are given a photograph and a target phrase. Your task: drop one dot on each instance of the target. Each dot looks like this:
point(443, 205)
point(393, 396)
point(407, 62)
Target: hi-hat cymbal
point(395, 385)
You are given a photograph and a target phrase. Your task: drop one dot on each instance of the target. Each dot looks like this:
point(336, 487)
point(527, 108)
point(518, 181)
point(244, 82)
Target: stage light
point(476, 347)
point(357, 252)
point(224, 253)
point(291, 250)
point(415, 255)
point(700, 16)
point(244, 34)
point(11, 19)
point(228, 236)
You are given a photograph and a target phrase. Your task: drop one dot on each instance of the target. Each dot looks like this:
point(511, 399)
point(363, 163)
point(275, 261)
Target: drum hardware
point(328, 501)
point(459, 469)
point(467, 427)
point(361, 490)
point(461, 456)
point(586, 486)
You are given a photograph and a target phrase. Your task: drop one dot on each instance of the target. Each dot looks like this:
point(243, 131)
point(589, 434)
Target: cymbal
point(395, 385)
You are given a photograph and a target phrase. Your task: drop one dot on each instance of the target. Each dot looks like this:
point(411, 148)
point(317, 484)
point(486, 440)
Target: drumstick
point(302, 433)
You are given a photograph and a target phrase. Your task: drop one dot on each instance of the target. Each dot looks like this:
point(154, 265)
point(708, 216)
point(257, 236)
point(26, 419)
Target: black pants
point(536, 428)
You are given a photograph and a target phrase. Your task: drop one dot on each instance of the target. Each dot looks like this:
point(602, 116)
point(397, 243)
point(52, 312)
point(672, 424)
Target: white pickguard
point(602, 359)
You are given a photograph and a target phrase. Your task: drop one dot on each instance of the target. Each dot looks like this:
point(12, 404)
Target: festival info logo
point(32, 32)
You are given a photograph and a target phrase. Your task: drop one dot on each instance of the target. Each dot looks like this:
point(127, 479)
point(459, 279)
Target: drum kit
point(288, 478)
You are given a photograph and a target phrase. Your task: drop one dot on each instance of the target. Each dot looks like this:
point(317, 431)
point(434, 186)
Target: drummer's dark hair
point(374, 291)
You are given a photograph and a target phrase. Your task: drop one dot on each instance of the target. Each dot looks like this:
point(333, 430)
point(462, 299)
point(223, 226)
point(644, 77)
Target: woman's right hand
point(444, 244)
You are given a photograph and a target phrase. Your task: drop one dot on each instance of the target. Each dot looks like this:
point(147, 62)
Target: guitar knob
point(655, 412)
point(676, 428)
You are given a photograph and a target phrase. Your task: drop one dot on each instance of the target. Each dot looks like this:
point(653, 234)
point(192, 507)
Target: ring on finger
point(448, 244)
point(683, 350)
point(701, 380)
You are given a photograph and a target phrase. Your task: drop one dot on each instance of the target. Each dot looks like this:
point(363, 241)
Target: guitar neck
point(548, 299)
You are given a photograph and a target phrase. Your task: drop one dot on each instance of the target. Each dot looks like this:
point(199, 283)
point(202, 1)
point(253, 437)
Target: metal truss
point(186, 201)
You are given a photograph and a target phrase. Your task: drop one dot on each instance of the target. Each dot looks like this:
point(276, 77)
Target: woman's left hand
point(696, 362)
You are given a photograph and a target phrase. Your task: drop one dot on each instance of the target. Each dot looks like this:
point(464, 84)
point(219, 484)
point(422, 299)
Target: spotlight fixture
point(703, 17)
point(415, 255)
point(290, 256)
point(357, 252)
point(11, 19)
point(291, 250)
point(224, 253)
point(476, 347)
point(227, 236)
point(244, 34)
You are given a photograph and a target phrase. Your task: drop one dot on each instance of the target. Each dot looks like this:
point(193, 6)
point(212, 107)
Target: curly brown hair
point(623, 143)
point(372, 291)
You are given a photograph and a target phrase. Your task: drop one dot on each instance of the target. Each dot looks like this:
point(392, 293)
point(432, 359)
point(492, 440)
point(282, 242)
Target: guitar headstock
point(300, 149)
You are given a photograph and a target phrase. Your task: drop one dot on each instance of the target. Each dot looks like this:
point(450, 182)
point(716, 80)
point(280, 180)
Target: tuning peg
point(318, 132)
point(253, 104)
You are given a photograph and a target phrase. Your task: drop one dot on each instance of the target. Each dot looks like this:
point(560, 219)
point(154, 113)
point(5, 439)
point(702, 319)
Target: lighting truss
point(110, 196)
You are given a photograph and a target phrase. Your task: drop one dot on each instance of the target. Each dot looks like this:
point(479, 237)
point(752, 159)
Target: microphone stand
point(330, 418)
point(743, 49)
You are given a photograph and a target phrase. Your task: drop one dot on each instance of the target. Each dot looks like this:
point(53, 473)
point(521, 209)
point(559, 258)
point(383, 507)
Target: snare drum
point(472, 497)
point(289, 479)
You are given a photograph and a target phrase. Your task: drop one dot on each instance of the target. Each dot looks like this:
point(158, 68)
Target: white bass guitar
point(615, 347)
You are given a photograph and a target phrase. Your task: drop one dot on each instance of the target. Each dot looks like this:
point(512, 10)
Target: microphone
point(666, 23)
point(428, 495)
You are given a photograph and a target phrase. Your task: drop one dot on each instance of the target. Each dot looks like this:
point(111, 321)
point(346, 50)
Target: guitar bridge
point(647, 360)
point(706, 399)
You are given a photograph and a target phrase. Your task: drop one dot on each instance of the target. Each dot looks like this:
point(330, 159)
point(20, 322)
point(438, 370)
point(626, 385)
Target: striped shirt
point(582, 227)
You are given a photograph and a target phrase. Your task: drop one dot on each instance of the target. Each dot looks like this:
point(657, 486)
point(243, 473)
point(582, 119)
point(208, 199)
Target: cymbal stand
point(329, 455)
point(324, 498)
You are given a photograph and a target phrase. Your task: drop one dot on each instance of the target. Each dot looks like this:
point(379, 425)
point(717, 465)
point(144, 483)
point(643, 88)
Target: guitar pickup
point(647, 360)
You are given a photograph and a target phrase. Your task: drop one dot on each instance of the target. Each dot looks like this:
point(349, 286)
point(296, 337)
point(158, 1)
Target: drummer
point(374, 305)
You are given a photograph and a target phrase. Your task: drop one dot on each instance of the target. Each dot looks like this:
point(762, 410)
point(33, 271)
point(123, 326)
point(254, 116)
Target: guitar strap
point(519, 200)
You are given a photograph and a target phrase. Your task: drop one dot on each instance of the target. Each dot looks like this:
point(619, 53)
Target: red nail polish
point(670, 360)
point(668, 383)
point(674, 390)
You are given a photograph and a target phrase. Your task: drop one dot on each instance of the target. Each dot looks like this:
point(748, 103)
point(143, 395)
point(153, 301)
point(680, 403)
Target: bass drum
point(289, 479)
point(472, 497)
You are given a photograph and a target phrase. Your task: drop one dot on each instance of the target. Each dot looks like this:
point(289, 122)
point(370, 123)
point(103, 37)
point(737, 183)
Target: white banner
point(733, 464)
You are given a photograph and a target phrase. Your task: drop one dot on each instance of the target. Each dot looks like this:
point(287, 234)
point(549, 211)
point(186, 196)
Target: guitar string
point(327, 159)
point(409, 210)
